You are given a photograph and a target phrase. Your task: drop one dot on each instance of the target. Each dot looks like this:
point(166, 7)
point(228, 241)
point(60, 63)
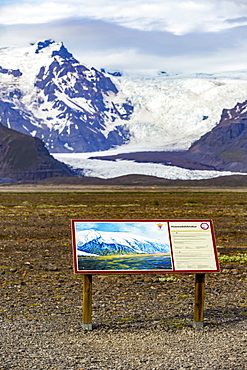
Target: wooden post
point(199, 301)
point(87, 303)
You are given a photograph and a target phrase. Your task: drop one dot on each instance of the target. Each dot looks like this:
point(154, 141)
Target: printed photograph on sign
point(121, 246)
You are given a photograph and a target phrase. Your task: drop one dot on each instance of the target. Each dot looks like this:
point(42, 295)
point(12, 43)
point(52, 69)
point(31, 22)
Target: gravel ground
point(32, 345)
point(139, 322)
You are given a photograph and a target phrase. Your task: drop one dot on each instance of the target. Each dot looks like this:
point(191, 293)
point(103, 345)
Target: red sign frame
point(191, 246)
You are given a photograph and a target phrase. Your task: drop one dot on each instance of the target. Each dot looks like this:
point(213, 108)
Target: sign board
point(137, 246)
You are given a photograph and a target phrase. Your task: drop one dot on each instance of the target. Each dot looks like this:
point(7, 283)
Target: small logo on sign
point(204, 226)
point(160, 226)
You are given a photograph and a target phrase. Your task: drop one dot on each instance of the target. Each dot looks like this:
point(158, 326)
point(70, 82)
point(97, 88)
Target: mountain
point(45, 92)
point(24, 158)
point(99, 243)
point(190, 121)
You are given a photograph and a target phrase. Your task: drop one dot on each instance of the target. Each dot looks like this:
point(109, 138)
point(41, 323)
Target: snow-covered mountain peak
point(70, 106)
point(55, 49)
point(31, 58)
point(28, 60)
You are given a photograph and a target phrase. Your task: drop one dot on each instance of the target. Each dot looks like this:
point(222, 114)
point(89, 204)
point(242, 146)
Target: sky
point(135, 36)
point(144, 229)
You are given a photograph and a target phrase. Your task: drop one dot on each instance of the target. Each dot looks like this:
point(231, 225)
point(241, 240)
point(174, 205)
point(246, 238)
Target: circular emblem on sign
point(204, 226)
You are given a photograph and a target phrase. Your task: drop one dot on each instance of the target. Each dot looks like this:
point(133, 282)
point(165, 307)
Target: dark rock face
point(24, 158)
point(14, 72)
point(225, 146)
point(43, 44)
point(17, 119)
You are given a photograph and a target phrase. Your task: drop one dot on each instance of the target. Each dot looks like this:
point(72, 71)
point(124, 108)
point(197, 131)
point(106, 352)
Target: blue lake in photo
point(126, 262)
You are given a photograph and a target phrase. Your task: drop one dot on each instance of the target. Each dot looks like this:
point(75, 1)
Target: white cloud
point(173, 35)
point(176, 16)
point(26, 13)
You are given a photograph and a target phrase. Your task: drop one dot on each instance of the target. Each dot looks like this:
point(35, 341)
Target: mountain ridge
point(76, 108)
point(225, 146)
point(24, 158)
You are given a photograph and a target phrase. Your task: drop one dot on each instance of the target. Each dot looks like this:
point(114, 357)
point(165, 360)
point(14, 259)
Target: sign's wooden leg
point(199, 301)
point(87, 303)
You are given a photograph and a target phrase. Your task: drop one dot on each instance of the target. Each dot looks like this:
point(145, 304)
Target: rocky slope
point(225, 146)
point(24, 158)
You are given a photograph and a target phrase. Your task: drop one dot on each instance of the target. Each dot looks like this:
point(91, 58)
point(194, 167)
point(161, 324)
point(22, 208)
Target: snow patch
point(67, 146)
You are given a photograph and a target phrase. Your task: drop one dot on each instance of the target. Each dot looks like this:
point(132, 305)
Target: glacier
point(86, 167)
point(171, 112)
point(103, 243)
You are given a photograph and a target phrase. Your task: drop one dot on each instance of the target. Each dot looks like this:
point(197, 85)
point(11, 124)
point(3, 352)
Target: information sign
point(137, 246)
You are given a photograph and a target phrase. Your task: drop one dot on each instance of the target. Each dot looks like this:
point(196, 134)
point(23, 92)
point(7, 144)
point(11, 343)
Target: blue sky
point(144, 229)
point(135, 35)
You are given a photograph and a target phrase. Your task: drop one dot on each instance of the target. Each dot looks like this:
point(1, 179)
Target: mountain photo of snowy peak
point(122, 246)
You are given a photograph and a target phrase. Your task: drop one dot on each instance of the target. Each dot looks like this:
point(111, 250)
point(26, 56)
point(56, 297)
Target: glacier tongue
point(109, 169)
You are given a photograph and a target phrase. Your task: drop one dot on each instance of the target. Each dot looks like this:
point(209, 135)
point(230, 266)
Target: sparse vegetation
point(169, 279)
point(237, 258)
